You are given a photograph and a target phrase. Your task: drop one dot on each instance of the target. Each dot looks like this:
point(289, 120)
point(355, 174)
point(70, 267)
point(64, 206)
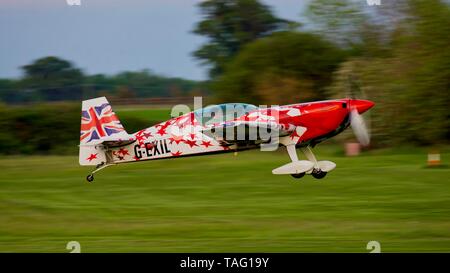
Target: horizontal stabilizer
point(112, 141)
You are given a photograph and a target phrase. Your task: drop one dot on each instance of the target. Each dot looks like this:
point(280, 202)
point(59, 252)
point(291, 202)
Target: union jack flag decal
point(98, 122)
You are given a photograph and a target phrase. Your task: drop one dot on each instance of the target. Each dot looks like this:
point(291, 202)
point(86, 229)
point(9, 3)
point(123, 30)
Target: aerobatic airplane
point(222, 128)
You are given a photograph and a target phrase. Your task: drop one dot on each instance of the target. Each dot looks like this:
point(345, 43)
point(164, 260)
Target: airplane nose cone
point(361, 105)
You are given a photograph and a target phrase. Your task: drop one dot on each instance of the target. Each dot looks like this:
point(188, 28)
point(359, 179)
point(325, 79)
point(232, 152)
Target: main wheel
point(298, 175)
point(90, 178)
point(318, 174)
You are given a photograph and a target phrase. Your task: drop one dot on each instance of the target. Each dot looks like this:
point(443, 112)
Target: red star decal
point(165, 125)
point(206, 143)
point(294, 134)
point(147, 135)
point(178, 123)
point(123, 152)
point(161, 131)
point(136, 158)
point(192, 136)
point(139, 133)
point(176, 139)
point(92, 157)
point(178, 153)
point(139, 138)
point(191, 143)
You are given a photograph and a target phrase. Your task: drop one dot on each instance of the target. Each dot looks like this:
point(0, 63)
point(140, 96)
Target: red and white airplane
point(222, 128)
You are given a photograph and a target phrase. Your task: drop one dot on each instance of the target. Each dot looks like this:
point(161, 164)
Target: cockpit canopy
point(222, 112)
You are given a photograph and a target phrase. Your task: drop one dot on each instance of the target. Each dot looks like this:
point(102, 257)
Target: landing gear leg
point(310, 156)
point(316, 172)
point(99, 167)
point(293, 155)
point(297, 168)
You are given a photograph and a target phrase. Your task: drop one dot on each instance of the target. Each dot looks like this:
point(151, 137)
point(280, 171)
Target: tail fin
point(99, 125)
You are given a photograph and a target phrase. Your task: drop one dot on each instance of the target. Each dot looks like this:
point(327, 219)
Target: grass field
point(226, 203)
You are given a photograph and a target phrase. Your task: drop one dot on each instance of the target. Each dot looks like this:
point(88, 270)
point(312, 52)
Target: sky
point(109, 36)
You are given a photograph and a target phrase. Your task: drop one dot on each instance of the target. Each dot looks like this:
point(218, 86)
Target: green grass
point(225, 203)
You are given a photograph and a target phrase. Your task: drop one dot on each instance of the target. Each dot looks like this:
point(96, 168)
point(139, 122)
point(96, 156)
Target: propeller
point(359, 127)
point(357, 107)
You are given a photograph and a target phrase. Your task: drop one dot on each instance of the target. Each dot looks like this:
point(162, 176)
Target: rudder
point(99, 124)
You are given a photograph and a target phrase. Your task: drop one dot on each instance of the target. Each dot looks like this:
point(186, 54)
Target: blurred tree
point(283, 89)
point(427, 48)
point(54, 79)
point(10, 91)
point(123, 92)
point(174, 91)
point(411, 84)
point(143, 83)
point(353, 24)
point(47, 128)
point(286, 67)
point(96, 86)
point(148, 84)
point(338, 20)
point(230, 24)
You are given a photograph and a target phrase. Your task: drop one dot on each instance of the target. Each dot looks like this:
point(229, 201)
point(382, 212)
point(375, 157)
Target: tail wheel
point(318, 174)
point(90, 178)
point(298, 175)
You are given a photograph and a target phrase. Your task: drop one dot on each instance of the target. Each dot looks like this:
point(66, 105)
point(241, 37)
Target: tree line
point(54, 79)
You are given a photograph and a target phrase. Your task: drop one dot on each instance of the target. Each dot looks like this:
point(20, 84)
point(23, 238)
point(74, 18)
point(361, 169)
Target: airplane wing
point(243, 131)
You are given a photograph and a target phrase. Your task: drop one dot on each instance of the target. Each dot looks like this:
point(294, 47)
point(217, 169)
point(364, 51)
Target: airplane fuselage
point(184, 135)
